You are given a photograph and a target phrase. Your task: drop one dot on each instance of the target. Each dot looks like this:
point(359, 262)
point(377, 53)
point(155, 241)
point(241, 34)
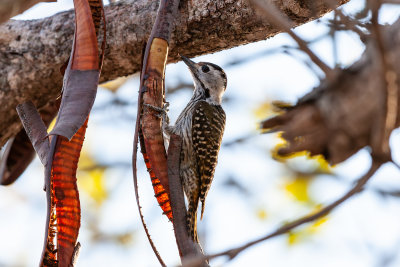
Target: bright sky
point(354, 235)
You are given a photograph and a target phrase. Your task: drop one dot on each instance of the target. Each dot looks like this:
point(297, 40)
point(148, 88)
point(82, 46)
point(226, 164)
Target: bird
point(201, 126)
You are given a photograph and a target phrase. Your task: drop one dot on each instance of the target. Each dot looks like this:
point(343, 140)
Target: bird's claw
point(161, 112)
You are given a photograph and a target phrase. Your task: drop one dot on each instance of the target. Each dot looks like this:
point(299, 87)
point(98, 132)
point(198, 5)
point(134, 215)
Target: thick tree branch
point(31, 52)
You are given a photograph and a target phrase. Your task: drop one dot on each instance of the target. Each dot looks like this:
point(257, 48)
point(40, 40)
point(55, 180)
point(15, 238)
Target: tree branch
point(232, 253)
point(340, 117)
point(281, 22)
point(31, 52)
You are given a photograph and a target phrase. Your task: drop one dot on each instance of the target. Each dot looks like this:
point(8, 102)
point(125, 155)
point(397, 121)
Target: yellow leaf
point(91, 179)
point(92, 183)
point(114, 85)
point(281, 144)
point(262, 214)
point(51, 125)
point(316, 225)
point(300, 235)
point(293, 238)
point(321, 165)
point(267, 109)
point(264, 110)
point(85, 160)
point(298, 188)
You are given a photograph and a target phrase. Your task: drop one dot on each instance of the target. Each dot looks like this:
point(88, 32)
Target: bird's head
point(209, 80)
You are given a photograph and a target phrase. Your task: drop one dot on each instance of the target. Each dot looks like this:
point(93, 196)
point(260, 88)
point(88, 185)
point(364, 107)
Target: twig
point(245, 59)
point(393, 2)
point(179, 86)
point(333, 36)
point(135, 184)
point(349, 22)
point(275, 17)
point(232, 253)
point(239, 140)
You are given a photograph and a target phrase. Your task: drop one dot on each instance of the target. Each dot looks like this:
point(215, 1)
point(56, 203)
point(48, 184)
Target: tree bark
point(31, 52)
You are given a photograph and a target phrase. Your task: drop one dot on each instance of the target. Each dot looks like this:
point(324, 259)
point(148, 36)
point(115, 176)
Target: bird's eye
point(205, 68)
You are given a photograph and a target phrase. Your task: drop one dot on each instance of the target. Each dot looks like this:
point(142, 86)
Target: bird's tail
point(191, 219)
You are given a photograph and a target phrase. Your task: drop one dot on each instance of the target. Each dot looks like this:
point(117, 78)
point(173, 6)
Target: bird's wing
point(208, 124)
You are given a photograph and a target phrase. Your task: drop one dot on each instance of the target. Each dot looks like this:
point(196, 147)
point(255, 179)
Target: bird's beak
point(191, 64)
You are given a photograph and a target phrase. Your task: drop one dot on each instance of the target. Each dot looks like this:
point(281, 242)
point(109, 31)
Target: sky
point(251, 194)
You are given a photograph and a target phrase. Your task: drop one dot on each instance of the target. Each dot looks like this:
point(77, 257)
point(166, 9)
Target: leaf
point(268, 109)
point(264, 110)
point(321, 166)
point(293, 238)
point(316, 225)
point(298, 188)
point(298, 236)
point(261, 214)
point(115, 84)
point(92, 179)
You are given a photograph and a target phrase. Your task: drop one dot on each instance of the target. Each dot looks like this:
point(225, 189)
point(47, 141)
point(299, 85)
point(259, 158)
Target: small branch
point(176, 196)
point(142, 219)
point(187, 248)
point(389, 84)
point(393, 2)
point(275, 17)
point(239, 140)
point(179, 86)
point(232, 253)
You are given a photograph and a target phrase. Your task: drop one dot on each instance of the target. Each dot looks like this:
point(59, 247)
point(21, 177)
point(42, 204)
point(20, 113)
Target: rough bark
point(31, 52)
point(340, 117)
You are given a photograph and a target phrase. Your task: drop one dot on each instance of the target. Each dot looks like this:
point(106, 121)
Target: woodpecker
point(201, 126)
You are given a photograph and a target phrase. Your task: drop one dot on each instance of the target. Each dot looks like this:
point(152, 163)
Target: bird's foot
point(161, 112)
